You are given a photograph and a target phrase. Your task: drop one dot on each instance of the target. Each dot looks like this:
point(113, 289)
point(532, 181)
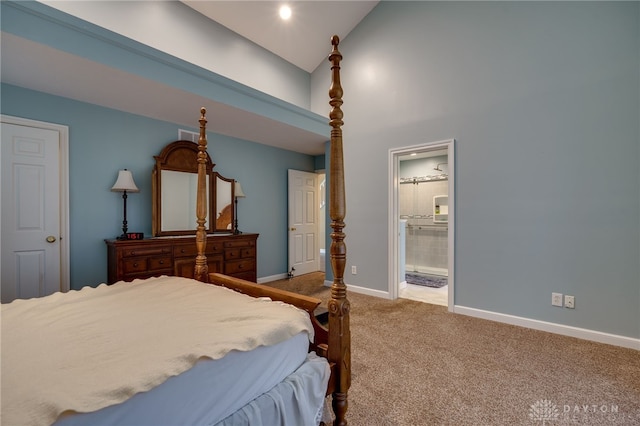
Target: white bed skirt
point(297, 400)
point(213, 390)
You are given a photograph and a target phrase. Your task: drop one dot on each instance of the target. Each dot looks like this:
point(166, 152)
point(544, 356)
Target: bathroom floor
point(435, 296)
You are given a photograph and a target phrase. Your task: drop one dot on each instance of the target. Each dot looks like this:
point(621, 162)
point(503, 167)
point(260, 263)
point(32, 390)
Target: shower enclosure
point(424, 206)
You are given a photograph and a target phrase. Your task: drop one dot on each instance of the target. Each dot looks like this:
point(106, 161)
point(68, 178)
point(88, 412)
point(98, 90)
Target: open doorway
point(322, 214)
point(421, 222)
point(306, 217)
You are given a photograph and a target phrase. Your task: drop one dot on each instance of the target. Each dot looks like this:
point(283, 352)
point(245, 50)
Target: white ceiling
point(301, 40)
point(304, 43)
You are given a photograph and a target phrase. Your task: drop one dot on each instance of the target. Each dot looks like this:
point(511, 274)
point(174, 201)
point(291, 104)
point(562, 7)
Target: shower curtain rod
point(424, 179)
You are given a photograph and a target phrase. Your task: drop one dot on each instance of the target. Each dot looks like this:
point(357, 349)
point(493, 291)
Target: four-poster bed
point(152, 350)
point(337, 346)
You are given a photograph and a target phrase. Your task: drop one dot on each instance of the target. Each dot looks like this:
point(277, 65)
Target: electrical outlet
point(354, 270)
point(556, 299)
point(569, 302)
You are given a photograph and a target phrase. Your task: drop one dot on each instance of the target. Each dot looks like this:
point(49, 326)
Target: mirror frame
point(181, 156)
point(220, 213)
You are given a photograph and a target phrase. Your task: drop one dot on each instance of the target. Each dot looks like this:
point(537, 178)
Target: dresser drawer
point(146, 251)
point(135, 265)
point(190, 250)
point(248, 252)
point(185, 250)
point(242, 243)
point(231, 254)
point(186, 267)
point(151, 265)
point(239, 253)
point(235, 266)
point(215, 247)
point(159, 263)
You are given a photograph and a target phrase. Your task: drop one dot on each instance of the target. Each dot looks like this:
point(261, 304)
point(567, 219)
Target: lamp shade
point(125, 182)
point(237, 190)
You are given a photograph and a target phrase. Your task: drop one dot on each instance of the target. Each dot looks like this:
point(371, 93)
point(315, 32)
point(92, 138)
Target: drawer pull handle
point(181, 250)
point(135, 265)
point(133, 253)
point(162, 262)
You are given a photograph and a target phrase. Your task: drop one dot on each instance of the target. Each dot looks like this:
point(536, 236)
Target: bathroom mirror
point(174, 188)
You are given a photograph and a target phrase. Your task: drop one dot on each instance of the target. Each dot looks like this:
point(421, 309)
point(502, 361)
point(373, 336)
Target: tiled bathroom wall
point(426, 242)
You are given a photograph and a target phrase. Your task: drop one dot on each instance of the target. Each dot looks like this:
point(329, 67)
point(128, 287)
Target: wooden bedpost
point(339, 343)
point(201, 269)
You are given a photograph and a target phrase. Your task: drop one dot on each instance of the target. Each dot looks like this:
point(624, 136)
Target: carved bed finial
point(339, 343)
point(201, 272)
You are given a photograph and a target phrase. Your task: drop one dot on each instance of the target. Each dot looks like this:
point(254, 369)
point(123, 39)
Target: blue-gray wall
point(102, 141)
point(543, 101)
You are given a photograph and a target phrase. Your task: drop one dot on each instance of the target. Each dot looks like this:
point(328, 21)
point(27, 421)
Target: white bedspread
point(88, 349)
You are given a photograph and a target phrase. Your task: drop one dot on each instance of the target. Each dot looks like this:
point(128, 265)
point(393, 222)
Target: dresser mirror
point(224, 210)
point(174, 187)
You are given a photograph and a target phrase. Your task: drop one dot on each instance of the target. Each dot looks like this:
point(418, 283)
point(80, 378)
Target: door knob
point(51, 239)
point(293, 229)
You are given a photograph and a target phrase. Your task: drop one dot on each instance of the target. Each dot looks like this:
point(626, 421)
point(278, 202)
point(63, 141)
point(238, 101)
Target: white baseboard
point(565, 330)
point(363, 290)
point(263, 280)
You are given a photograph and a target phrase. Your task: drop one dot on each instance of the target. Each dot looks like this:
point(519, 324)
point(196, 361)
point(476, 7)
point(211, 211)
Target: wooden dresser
point(233, 255)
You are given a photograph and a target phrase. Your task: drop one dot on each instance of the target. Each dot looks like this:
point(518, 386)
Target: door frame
point(63, 159)
point(394, 213)
point(316, 251)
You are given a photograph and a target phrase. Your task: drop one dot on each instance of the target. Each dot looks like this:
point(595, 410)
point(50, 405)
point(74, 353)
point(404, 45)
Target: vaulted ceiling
point(302, 41)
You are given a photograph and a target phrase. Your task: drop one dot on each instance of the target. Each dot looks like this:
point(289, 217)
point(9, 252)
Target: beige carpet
point(417, 364)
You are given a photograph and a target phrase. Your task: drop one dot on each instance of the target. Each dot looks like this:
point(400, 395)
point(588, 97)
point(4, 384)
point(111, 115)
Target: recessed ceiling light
point(285, 12)
point(413, 154)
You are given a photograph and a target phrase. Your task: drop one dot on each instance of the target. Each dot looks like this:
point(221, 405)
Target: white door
point(30, 174)
point(303, 222)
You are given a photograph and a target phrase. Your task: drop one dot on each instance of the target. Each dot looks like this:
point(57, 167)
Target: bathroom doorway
point(421, 223)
